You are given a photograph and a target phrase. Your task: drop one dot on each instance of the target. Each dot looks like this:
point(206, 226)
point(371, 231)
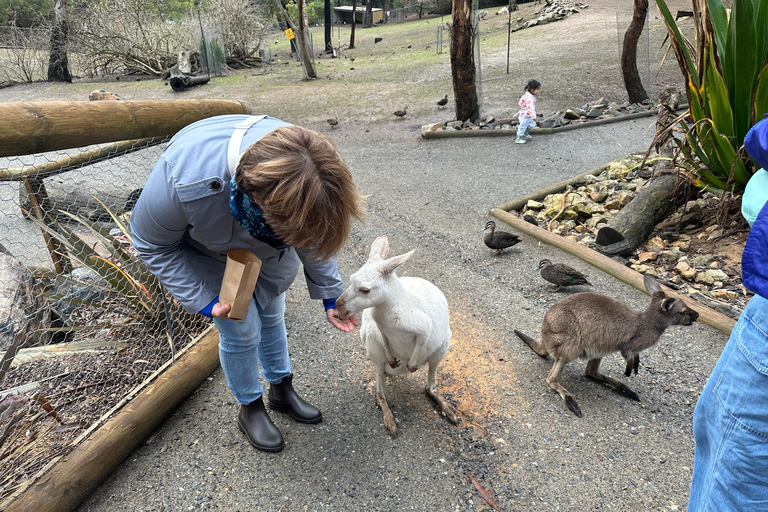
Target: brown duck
point(498, 240)
point(561, 275)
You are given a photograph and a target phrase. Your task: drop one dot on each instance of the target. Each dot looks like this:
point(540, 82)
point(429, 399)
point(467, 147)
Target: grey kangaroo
point(591, 325)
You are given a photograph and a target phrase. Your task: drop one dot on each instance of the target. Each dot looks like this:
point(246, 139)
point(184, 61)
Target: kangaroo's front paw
point(394, 363)
point(412, 367)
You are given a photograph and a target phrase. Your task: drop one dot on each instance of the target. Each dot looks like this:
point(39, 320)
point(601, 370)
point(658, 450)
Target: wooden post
point(29, 128)
point(38, 198)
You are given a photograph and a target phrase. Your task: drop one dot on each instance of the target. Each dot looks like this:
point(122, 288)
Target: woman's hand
point(221, 310)
point(346, 324)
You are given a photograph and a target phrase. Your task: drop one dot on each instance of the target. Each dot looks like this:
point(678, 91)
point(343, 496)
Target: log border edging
point(65, 482)
point(631, 277)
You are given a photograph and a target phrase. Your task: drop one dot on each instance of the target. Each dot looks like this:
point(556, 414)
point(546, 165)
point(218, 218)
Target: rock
point(647, 256)
point(656, 243)
point(644, 269)
point(726, 295)
point(685, 271)
point(534, 205)
point(594, 112)
point(456, 125)
point(701, 260)
point(550, 122)
point(571, 114)
point(599, 197)
point(711, 276)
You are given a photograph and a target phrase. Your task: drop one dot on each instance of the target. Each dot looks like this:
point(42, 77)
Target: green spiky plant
point(133, 291)
point(727, 88)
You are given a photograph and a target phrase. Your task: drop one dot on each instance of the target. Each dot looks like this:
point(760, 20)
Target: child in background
point(527, 114)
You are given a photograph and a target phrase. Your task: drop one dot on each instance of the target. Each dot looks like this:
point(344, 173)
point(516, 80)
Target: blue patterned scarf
point(249, 215)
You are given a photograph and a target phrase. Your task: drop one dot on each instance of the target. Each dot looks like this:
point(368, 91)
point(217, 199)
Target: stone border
point(433, 131)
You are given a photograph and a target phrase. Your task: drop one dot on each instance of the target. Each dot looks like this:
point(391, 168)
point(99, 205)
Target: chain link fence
point(82, 322)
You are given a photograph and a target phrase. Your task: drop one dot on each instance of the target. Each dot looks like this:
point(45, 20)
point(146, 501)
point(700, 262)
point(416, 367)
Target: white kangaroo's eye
point(364, 291)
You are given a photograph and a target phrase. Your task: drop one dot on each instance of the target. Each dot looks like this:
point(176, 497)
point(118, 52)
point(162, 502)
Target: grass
point(576, 60)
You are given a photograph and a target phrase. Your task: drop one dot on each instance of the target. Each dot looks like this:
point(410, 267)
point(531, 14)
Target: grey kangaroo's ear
point(668, 303)
point(651, 284)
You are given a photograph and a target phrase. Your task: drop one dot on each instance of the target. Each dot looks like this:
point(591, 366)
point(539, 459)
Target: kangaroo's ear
point(389, 266)
point(651, 284)
point(667, 304)
point(379, 249)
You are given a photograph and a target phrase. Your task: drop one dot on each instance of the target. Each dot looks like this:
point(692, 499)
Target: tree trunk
point(328, 26)
point(368, 18)
point(305, 52)
point(352, 32)
point(629, 53)
point(463, 61)
point(309, 69)
point(652, 204)
point(58, 65)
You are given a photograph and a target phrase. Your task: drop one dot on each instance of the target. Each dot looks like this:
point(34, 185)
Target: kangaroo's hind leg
point(441, 402)
point(592, 372)
point(554, 382)
point(381, 400)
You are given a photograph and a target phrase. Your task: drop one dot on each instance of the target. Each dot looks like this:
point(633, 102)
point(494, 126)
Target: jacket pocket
point(206, 204)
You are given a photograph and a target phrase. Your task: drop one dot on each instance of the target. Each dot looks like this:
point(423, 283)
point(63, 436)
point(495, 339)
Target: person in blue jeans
point(730, 422)
point(280, 191)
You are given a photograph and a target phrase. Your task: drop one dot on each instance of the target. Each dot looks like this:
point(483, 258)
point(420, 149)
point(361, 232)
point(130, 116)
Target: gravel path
point(516, 439)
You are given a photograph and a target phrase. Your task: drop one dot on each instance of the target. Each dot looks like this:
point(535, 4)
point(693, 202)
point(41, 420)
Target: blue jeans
point(258, 338)
point(526, 123)
point(730, 422)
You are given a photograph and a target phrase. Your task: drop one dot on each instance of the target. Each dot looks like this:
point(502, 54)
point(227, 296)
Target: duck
point(561, 274)
point(401, 113)
point(333, 122)
point(442, 102)
point(498, 240)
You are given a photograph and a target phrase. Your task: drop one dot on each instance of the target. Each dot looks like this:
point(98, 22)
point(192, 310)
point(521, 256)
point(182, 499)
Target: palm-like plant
point(727, 87)
point(134, 292)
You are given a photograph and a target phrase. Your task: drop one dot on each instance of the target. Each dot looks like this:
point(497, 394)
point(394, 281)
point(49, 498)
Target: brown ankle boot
point(258, 427)
point(283, 398)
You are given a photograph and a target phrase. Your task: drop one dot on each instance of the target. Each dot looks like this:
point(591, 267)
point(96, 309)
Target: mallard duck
point(498, 240)
point(561, 274)
point(442, 102)
point(333, 122)
point(401, 113)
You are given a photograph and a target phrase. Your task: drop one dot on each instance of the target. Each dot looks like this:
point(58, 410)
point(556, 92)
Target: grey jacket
point(182, 226)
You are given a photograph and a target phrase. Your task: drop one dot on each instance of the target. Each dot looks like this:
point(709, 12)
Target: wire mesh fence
point(82, 322)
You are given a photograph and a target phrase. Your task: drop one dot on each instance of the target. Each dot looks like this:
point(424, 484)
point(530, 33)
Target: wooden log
point(65, 483)
point(180, 81)
point(29, 128)
point(651, 205)
point(707, 316)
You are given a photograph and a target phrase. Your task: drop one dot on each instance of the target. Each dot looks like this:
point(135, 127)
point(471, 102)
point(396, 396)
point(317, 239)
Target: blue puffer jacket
point(754, 260)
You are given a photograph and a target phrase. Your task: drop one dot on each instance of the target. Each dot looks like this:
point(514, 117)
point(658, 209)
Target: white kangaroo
point(404, 319)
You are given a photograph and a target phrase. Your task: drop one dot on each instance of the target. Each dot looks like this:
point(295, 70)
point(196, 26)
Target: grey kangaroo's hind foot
point(595, 375)
point(535, 345)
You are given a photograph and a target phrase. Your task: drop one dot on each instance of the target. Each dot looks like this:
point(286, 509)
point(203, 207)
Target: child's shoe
point(520, 140)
